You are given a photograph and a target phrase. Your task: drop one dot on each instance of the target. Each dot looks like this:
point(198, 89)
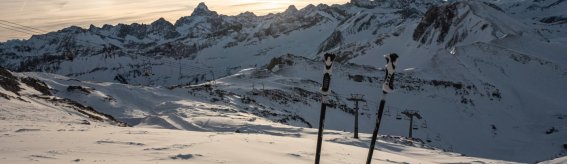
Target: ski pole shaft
point(387, 87)
point(320, 133)
point(376, 128)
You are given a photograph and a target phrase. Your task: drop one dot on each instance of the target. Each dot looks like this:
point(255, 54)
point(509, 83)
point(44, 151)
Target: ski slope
point(35, 129)
point(52, 142)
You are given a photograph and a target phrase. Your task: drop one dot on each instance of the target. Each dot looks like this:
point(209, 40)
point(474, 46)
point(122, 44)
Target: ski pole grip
point(391, 60)
point(329, 58)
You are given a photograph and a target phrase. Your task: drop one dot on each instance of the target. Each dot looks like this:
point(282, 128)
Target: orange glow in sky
point(50, 15)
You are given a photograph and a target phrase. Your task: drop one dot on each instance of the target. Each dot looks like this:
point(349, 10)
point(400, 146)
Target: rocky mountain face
point(488, 71)
point(37, 95)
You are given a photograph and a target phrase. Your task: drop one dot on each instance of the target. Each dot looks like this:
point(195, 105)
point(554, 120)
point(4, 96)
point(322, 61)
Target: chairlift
point(414, 127)
point(438, 137)
point(398, 116)
point(424, 124)
point(387, 113)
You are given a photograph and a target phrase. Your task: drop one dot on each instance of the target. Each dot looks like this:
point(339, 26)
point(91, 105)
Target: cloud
point(62, 4)
point(249, 4)
point(165, 12)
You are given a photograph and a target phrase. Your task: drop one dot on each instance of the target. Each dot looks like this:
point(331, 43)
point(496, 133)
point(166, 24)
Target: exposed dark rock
point(33, 63)
point(552, 130)
point(120, 79)
point(364, 3)
point(203, 10)
point(162, 27)
point(409, 13)
point(280, 61)
point(493, 6)
point(554, 4)
point(9, 82)
point(80, 88)
point(86, 110)
point(439, 17)
point(291, 10)
point(37, 85)
point(332, 41)
point(357, 78)
point(5, 96)
point(287, 24)
point(554, 20)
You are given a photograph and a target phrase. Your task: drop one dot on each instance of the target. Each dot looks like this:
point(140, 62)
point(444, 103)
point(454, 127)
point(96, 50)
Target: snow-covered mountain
point(26, 98)
point(39, 127)
point(487, 76)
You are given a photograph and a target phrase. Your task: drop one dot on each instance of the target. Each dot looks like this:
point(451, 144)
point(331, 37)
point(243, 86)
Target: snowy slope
point(25, 98)
point(38, 131)
point(63, 143)
point(290, 96)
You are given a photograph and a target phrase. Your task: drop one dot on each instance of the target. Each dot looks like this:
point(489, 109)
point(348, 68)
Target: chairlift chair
point(424, 124)
point(387, 113)
point(414, 127)
point(428, 138)
point(398, 116)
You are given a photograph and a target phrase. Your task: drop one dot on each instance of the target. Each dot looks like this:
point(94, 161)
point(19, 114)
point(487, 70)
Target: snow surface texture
point(64, 143)
point(487, 76)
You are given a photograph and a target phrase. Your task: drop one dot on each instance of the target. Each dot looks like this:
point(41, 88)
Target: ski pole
point(387, 87)
point(324, 93)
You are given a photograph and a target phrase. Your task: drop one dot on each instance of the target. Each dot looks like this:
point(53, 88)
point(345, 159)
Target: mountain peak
point(160, 21)
point(202, 10)
point(247, 14)
point(92, 27)
point(291, 9)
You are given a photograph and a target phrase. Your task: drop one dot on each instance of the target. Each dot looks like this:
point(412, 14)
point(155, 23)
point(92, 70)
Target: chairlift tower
point(356, 98)
point(411, 114)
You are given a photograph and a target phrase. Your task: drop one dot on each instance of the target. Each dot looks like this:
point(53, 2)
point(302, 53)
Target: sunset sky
point(52, 15)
